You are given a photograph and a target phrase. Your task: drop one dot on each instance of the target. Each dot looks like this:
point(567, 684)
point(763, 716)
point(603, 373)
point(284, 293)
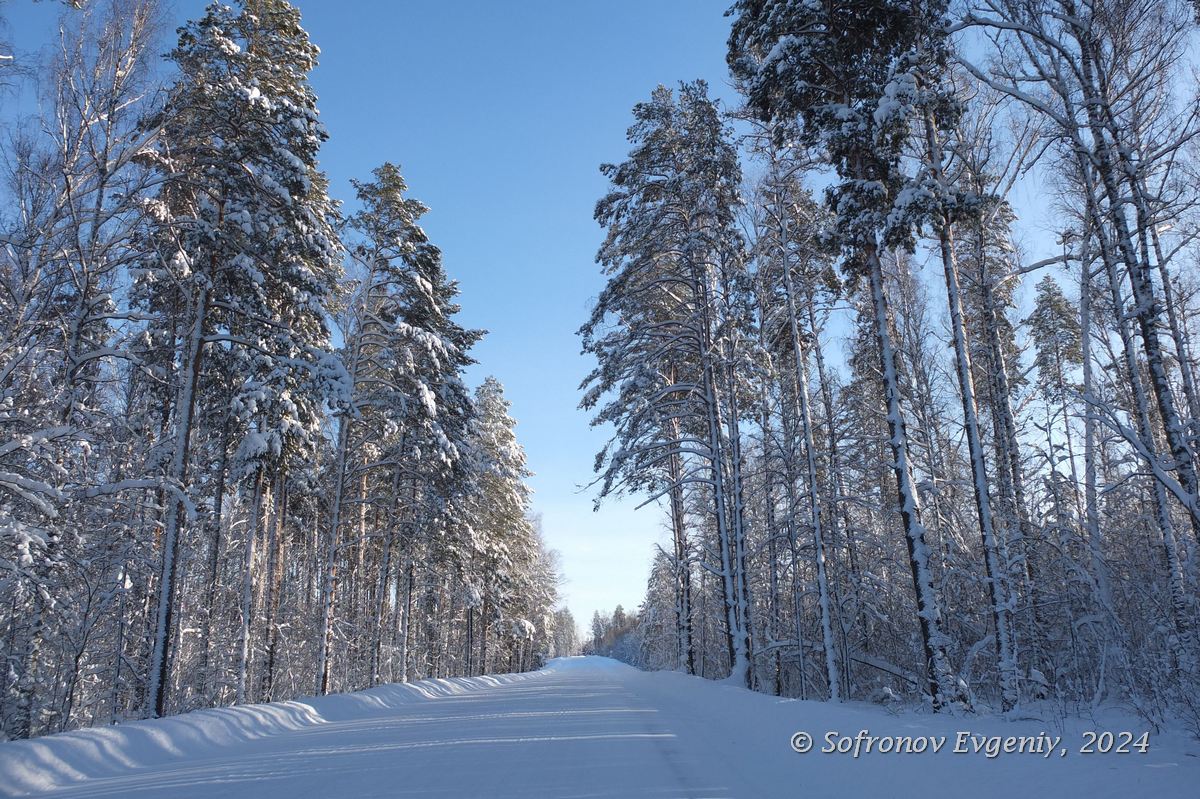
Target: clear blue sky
point(499, 115)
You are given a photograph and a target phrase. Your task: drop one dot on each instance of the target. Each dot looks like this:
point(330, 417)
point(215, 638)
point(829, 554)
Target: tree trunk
point(997, 588)
point(184, 407)
point(248, 589)
point(940, 679)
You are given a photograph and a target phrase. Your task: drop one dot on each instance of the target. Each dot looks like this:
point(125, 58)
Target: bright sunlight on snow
point(637, 398)
point(580, 727)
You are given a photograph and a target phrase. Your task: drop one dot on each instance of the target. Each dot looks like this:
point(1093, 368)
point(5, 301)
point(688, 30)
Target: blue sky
point(499, 115)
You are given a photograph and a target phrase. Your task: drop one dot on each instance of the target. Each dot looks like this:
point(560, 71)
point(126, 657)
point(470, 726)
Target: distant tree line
point(611, 635)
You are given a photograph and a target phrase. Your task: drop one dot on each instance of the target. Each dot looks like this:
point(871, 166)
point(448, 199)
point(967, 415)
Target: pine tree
point(843, 76)
point(665, 330)
point(405, 353)
point(246, 227)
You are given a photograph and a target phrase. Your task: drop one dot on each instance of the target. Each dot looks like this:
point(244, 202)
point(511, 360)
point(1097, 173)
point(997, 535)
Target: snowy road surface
point(582, 727)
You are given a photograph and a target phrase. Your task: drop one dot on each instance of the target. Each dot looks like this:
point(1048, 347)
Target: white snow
point(581, 727)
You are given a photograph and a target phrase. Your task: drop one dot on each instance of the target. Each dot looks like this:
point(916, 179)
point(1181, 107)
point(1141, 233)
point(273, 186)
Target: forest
point(897, 347)
point(902, 343)
point(238, 458)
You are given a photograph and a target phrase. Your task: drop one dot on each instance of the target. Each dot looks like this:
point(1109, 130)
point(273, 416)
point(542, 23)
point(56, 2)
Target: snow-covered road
point(582, 727)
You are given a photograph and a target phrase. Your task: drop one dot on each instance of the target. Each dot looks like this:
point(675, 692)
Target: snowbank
point(593, 727)
point(54, 761)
